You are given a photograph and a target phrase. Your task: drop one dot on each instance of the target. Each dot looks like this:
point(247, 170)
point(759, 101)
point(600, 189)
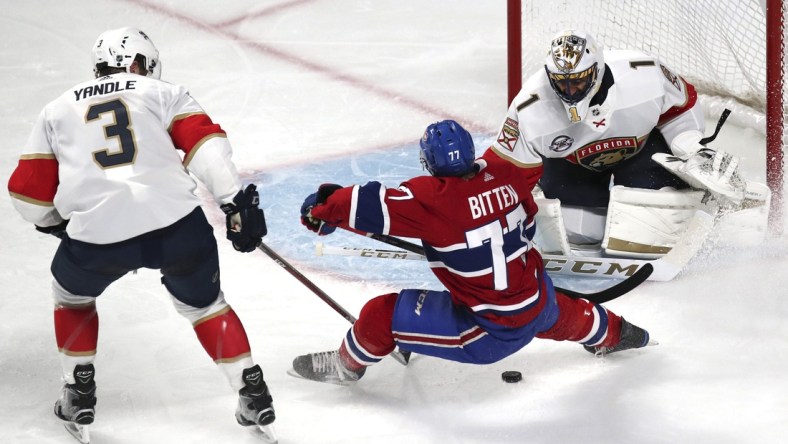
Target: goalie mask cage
point(733, 51)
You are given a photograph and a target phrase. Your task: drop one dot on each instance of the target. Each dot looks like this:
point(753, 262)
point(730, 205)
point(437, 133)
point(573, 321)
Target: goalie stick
point(640, 275)
point(665, 268)
point(401, 356)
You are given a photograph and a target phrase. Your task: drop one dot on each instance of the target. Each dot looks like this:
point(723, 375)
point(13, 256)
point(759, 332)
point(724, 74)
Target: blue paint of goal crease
point(282, 191)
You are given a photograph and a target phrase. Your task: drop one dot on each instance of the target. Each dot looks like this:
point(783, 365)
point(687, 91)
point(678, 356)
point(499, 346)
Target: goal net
point(720, 46)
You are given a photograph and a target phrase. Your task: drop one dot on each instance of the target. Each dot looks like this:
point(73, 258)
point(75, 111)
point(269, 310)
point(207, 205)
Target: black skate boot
point(325, 367)
point(632, 336)
point(255, 404)
point(77, 401)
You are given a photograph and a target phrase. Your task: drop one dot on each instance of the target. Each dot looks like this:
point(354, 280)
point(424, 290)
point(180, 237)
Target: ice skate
point(77, 403)
point(255, 404)
point(632, 336)
point(325, 367)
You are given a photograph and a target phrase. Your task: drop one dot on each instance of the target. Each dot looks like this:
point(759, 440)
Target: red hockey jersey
point(476, 232)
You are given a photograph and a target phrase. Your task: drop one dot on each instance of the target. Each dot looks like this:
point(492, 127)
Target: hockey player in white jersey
point(107, 170)
point(619, 136)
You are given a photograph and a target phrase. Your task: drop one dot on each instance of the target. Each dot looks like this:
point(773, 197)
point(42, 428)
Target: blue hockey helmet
point(447, 149)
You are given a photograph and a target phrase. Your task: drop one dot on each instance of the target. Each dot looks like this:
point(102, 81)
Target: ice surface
point(316, 91)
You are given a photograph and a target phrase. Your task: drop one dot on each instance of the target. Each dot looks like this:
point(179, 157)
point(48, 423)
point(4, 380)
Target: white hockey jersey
point(105, 155)
point(645, 95)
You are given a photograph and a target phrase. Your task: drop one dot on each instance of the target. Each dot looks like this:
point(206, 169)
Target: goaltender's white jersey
point(645, 95)
point(111, 156)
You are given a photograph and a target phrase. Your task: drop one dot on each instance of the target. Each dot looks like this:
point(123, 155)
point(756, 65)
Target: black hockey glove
point(313, 224)
point(245, 220)
point(59, 230)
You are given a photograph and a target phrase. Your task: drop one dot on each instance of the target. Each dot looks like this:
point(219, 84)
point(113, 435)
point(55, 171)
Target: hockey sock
point(76, 333)
point(582, 321)
point(223, 336)
point(370, 339)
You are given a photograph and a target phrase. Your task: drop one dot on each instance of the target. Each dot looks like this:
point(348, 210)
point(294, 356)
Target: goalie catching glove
point(313, 224)
point(245, 220)
point(705, 169)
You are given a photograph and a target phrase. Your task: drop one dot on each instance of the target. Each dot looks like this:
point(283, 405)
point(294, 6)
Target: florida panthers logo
point(602, 155)
point(567, 51)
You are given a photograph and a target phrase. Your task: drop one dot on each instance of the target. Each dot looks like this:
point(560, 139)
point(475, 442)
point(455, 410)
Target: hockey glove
point(707, 169)
point(245, 220)
point(59, 230)
point(313, 224)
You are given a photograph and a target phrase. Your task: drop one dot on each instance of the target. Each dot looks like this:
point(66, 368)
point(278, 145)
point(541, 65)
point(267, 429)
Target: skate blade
point(293, 373)
point(78, 431)
point(651, 342)
point(268, 434)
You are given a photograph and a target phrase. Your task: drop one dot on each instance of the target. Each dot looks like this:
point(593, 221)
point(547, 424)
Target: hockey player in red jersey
point(475, 218)
point(102, 171)
point(619, 137)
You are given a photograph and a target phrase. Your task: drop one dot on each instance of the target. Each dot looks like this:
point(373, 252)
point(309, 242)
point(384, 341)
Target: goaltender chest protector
point(611, 132)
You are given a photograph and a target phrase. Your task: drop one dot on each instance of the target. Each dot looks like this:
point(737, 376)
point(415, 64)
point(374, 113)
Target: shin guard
point(223, 336)
point(76, 334)
point(76, 329)
point(370, 339)
point(585, 322)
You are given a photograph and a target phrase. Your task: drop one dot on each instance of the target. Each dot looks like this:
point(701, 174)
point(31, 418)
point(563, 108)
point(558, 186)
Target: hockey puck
point(511, 376)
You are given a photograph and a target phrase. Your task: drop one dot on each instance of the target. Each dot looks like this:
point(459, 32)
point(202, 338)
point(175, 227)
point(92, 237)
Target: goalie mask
point(575, 66)
point(117, 48)
point(447, 149)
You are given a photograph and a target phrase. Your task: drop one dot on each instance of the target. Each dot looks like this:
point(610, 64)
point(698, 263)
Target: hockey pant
point(429, 323)
point(187, 256)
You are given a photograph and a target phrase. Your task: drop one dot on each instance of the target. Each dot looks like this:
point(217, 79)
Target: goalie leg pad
point(585, 227)
point(550, 235)
point(645, 223)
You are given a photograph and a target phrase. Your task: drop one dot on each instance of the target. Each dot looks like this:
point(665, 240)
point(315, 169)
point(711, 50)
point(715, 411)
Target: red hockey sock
point(76, 329)
point(613, 330)
point(581, 320)
point(223, 336)
point(372, 331)
point(347, 360)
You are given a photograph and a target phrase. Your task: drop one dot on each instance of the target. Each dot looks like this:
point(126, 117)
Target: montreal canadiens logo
point(561, 144)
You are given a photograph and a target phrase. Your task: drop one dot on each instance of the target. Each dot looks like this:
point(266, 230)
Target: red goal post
point(733, 51)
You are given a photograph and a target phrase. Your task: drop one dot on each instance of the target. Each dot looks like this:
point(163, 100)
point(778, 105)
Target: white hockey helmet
point(575, 66)
point(117, 48)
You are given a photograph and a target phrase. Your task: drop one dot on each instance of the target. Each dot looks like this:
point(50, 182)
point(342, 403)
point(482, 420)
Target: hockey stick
point(401, 357)
point(723, 117)
point(329, 250)
point(665, 268)
point(640, 275)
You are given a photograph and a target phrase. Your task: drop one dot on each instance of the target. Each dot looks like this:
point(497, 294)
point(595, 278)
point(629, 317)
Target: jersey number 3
point(120, 129)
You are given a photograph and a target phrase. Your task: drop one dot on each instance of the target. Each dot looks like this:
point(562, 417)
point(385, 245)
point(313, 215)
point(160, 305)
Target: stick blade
point(620, 289)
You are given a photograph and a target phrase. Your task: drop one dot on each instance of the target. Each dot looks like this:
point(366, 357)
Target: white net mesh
point(717, 45)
